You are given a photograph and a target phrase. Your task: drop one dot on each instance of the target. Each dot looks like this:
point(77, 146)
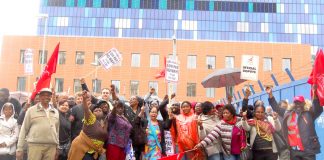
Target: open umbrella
point(223, 78)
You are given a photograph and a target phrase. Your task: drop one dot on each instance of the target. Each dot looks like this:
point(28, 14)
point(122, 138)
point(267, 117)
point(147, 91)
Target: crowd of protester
point(86, 127)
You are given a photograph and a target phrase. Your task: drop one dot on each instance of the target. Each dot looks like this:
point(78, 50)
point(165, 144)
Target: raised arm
point(316, 108)
point(113, 92)
point(86, 105)
point(210, 138)
point(84, 87)
point(273, 103)
point(163, 107)
point(245, 124)
point(245, 102)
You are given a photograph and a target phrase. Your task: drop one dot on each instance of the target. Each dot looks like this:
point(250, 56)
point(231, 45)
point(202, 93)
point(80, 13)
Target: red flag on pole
point(45, 78)
point(177, 156)
point(161, 74)
point(317, 76)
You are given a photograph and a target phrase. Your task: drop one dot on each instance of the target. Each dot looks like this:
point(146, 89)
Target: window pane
point(22, 56)
point(136, 60)
point(21, 83)
point(134, 88)
point(61, 57)
point(79, 57)
point(117, 85)
point(267, 64)
point(154, 60)
point(191, 62)
point(120, 62)
point(97, 55)
point(42, 57)
point(155, 85)
point(286, 63)
point(96, 86)
point(211, 62)
point(229, 62)
point(210, 92)
point(77, 85)
point(191, 89)
point(59, 85)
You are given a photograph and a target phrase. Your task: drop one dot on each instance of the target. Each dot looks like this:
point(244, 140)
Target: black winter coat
point(305, 124)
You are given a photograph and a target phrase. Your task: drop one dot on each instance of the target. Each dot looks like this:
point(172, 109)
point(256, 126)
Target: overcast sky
point(18, 17)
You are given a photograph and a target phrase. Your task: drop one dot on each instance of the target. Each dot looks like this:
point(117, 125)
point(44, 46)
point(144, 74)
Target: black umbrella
point(223, 78)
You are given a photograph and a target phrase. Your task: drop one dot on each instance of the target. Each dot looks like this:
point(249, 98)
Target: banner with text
point(172, 70)
point(28, 62)
point(169, 147)
point(112, 57)
point(250, 67)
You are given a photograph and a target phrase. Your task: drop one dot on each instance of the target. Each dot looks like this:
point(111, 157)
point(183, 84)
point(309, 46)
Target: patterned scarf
point(264, 129)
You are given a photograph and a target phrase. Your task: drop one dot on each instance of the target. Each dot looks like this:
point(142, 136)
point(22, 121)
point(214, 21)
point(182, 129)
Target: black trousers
point(300, 155)
point(7, 157)
point(266, 154)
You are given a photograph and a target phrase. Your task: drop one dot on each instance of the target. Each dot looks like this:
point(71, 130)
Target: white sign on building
point(250, 67)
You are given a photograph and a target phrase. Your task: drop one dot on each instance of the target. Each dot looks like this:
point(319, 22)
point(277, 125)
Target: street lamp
point(96, 72)
point(174, 47)
point(44, 16)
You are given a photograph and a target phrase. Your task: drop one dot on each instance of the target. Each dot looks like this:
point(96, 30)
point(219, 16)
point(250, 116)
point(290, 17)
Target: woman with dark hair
point(155, 146)
point(64, 131)
point(197, 108)
point(119, 130)
point(206, 122)
point(88, 145)
point(104, 105)
point(230, 132)
point(261, 129)
point(187, 132)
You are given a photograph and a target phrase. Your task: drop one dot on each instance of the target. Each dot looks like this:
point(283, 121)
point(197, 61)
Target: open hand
point(247, 92)
point(198, 146)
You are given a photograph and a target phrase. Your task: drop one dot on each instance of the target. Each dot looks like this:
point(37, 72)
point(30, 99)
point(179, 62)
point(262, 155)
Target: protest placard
point(28, 62)
point(172, 70)
point(250, 67)
point(112, 57)
point(169, 147)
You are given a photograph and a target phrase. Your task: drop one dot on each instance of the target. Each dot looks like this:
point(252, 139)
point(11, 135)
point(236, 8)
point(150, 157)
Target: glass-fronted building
point(288, 21)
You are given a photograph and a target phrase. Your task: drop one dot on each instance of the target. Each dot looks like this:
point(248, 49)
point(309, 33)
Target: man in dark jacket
point(298, 126)
point(5, 97)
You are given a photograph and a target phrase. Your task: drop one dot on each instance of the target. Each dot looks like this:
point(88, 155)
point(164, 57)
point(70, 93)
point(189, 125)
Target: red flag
point(161, 74)
point(173, 157)
point(45, 78)
point(317, 76)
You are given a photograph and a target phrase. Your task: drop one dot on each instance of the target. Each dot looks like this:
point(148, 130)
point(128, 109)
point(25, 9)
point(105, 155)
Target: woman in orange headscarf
point(187, 132)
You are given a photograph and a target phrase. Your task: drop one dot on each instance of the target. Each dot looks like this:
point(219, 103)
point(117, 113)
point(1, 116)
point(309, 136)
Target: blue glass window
point(69, 3)
point(163, 4)
point(190, 5)
point(124, 4)
point(96, 3)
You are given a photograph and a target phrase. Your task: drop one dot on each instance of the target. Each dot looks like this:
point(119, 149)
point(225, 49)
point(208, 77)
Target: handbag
point(280, 142)
point(246, 153)
point(138, 133)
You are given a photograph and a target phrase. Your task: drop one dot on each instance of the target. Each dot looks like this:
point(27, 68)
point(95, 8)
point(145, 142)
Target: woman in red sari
point(187, 132)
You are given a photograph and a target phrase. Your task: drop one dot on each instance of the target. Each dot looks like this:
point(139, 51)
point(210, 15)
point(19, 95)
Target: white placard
point(112, 57)
point(250, 67)
point(169, 147)
point(28, 62)
point(172, 70)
